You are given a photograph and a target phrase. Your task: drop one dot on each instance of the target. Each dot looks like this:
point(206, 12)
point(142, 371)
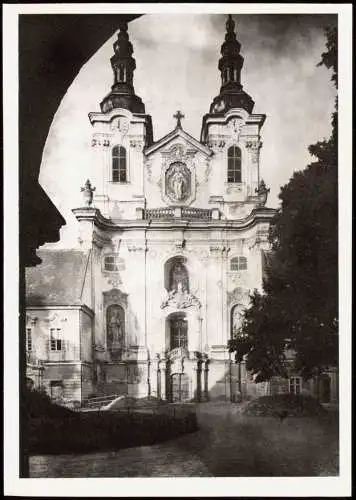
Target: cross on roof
point(178, 116)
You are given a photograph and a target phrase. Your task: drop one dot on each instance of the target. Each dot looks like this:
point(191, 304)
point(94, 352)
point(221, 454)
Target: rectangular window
point(119, 169)
point(29, 339)
point(56, 341)
point(110, 264)
point(295, 385)
point(234, 172)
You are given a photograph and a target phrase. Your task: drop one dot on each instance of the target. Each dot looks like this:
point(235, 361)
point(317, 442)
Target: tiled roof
point(59, 279)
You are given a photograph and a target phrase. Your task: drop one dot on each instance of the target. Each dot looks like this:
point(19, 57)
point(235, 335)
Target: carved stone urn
point(87, 191)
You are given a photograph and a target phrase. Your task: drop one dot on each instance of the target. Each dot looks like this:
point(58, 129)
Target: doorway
point(179, 387)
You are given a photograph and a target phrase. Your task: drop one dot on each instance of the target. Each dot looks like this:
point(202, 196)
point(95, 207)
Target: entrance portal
point(179, 387)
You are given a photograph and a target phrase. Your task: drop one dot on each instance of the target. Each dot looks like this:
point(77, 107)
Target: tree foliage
point(298, 308)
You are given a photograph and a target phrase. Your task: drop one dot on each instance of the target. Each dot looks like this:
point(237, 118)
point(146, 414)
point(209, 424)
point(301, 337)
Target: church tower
point(232, 131)
point(120, 133)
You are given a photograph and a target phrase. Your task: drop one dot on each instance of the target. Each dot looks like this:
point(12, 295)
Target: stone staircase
point(97, 402)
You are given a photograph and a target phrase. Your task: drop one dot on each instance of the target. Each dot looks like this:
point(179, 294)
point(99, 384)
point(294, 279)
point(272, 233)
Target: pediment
point(178, 138)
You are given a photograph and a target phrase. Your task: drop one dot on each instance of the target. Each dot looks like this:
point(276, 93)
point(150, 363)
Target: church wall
point(70, 375)
point(86, 338)
point(87, 385)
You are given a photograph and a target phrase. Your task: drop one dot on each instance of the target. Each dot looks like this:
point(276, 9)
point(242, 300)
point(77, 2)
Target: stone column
point(205, 370)
point(154, 372)
point(196, 381)
point(163, 370)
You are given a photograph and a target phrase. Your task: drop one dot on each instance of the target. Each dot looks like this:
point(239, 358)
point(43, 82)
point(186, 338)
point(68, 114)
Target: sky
point(177, 68)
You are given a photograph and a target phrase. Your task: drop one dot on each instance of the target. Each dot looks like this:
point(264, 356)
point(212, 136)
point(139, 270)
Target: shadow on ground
point(227, 444)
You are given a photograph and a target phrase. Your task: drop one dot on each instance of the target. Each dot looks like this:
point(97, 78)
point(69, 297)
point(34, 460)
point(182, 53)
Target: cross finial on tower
point(178, 116)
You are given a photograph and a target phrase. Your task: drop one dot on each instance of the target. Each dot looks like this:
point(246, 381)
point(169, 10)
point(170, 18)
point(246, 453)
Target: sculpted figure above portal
point(180, 299)
point(178, 182)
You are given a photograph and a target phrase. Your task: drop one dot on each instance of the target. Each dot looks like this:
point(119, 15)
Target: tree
point(298, 308)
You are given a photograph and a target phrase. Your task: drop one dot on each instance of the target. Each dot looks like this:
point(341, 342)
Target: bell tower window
point(119, 164)
point(234, 164)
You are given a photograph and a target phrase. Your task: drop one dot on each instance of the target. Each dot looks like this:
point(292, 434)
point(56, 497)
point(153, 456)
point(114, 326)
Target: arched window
point(238, 263)
point(119, 170)
point(115, 324)
point(234, 164)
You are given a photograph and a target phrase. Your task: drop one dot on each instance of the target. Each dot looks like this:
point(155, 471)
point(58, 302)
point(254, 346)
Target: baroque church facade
point(173, 238)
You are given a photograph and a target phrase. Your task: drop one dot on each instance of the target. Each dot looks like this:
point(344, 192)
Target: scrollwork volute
point(254, 146)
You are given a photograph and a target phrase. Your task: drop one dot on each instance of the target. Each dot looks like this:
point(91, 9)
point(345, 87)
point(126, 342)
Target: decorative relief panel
point(101, 140)
point(235, 128)
point(218, 251)
point(178, 180)
point(114, 280)
point(238, 295)
point(254, 145)
point(217, 142)
point(180, 299)
point(115, 296)
point(137, 143)
point(207, 170)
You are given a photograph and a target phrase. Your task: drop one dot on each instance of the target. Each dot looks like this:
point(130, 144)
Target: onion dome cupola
point(230, 64)
point(122, 93)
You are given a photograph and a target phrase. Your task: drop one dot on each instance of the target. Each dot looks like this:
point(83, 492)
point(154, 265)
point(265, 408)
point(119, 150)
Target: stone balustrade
point(187, 213)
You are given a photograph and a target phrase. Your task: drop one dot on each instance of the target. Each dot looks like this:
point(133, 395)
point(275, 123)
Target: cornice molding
point(62, 307)
point(259, 214)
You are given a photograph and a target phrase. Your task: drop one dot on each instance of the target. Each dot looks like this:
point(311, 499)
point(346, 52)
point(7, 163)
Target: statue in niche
point(237, 318)
point(115, 325)
point(178, 181)
point(179, 295)
point(179, 278)
point(178, 184)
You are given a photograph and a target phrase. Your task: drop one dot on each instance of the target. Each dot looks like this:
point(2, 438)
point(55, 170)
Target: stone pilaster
point(154, 377)
point(205, 377)
point(163, 370)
